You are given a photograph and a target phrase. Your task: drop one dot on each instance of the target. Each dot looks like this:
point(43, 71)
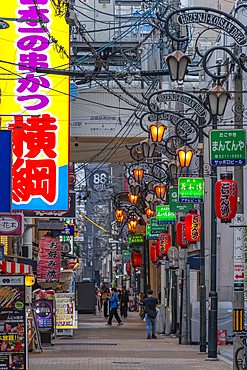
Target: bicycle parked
point(241, 353)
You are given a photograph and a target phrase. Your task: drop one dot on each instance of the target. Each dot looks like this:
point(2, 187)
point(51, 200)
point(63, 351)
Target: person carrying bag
point(150, 304)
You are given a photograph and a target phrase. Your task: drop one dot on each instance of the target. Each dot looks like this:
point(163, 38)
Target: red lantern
point(226, 194)
point(153, 255)
point(138, 259)
point(164, 243)
point(157, 246)
point(128, 268)
point(181, 240)
point(133, 262)
point(192, 226)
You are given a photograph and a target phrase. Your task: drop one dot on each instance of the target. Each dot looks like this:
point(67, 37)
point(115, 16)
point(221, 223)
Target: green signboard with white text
point(154, 228)
point(190, 190)
point(174, 205)
point(164, 216)
point(227, 148)
point(149, 235)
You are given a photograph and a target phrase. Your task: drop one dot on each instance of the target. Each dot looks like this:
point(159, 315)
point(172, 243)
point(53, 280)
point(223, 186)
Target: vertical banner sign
point(239, 258)
point(13, 336)
point(6, 171)
point(49, 260)
point(44, 314)
point(41, 129)
point(245, 260)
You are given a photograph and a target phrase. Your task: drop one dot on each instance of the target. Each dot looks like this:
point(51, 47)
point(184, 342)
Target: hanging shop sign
point(227, 148)
point(68, 230)
point(13, 334)
point(136, 239)
point(65, 311)
point(49, 259)
point(192, 227)
point(174, 205)
point(164, 243)
point(41, 131)
point(190, 190)
point(11, 224)
point(99, 180)
point(177, 96)
point(238, 254)
point(6, 171)
point(126, 256)
point(164, 216)
point(44, 314)
point(149, 235)
point(154, 228)
point(181, 240)
point(226, 194)
point(213, 18)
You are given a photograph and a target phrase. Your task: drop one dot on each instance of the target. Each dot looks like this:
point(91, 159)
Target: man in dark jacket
point(150, 304)
point(124, 300)
point(114, 308)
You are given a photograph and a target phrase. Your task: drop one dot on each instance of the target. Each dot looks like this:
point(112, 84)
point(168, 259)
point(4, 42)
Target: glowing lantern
point(149, 213)
point(226, 194)
point(138, 174)
point(192, 226)
point(160, 191)
point(132, 224)
point(185, 155)
point(128, 268)
point(157, 131)
point(138, 259)
point(133, 262)
point(29, 280)
point(157, 246)
point(164, 243)
point(181, 240)
point(153, 255)
point(133, 198)
point(119, 215)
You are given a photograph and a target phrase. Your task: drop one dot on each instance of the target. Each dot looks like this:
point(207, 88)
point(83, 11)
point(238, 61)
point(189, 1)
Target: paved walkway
point(96, 346)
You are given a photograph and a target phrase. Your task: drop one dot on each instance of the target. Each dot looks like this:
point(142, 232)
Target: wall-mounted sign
point(99, 180)
point(44, 314)
point(238, 253)
point(65, 247)
point(174, 205)
point(154, 228)
point(6, 171)
point(136, 239)
point(149, 235)
point(65, 311)
point(51, 225)
point(164, 216)
point(227, 148)
point(11, 224)
point(126, 256)
point(68, 230)
point(190, 190)
point(41, 131)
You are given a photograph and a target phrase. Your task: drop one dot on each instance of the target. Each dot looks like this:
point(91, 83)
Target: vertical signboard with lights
point(39, 104)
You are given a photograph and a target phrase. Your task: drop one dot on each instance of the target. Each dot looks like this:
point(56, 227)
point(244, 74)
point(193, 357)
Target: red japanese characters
point(128, 268)
point(49, 259)
point(192, 226)
point(181, 240)
point(226, 194)
point(164, 243)
point(153, 255)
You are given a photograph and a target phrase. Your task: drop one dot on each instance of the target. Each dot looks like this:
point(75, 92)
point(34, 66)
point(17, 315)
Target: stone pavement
point(96, 346)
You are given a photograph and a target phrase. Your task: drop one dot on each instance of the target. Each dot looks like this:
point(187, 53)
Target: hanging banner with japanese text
point(40, 103)
point(49, 259)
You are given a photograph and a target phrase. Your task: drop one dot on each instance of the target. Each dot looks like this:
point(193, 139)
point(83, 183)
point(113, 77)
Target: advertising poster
point(44, 314)
point(38, 103)
point(13, 338)
point(65, 311)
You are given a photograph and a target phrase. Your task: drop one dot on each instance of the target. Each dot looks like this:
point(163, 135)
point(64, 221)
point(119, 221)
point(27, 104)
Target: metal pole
point(213, 296)
point(181, 307)
point(174, 303)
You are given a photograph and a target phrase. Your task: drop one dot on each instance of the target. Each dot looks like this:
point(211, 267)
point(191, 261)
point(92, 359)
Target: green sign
point(126, 256)
point(137, 239)
point(174, 205)
point(227, 148)
point(190, 190)
point(238, 287)
point(149, 235)
point(154, 228)
point(164, 216)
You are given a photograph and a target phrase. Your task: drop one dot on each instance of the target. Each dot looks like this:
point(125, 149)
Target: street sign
point(227, 148)
point(164, 216)
point(11, 224)
point(239, 259)
point(149, 235)
point(174, 205)
point(126, 256)
point(190, 190)
point(136, 239)
point(154, 228)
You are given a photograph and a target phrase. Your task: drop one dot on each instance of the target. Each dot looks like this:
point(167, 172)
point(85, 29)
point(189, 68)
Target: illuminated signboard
point(41, 133)
point(164, 216)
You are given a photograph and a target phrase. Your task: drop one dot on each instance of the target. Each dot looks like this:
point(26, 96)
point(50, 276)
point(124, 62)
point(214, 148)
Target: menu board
point(65, 311)
point(44, 314)
point(13, 336)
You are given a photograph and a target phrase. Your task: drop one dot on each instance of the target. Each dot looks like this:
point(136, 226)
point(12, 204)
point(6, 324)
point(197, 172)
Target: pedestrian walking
point(113, 308)
point(106, 295)
point(98, 300)
point(150, 304)
point(124, 300)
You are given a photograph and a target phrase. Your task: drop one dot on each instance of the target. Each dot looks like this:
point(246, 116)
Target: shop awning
point(15, 268)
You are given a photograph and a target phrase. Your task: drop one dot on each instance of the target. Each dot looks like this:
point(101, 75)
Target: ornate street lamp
point(138, 174)
point(132, 224)
point(217, 100)
point(177, 64)
point(148, 148)
point(185, 155)
point(149, 212)
point(153, 204)
point(157, 131)
point(175, 170)
point(119, 215)
point(134, 193)
point(160, 191)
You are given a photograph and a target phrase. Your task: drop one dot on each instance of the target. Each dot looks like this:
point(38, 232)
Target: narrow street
point(97, 346)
